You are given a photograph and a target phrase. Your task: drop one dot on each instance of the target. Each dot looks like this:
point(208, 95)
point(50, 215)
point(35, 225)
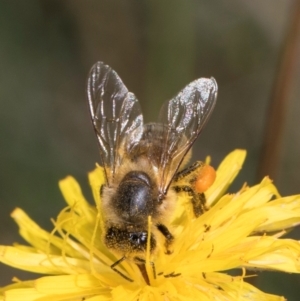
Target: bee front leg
point(113, 267)
point(198, 199)
point(167, 234)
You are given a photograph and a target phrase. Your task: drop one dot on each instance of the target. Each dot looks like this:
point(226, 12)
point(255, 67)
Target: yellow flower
point(240, 230)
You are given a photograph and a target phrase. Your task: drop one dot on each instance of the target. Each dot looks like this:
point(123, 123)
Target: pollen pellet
point(205, 179)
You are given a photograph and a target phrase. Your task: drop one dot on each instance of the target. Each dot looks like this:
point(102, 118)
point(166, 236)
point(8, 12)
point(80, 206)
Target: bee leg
point(142, 267)
point(117, 271)
point(166, 233)
point(101, 190)
point(198, 199)
point(187, 171)
point(202, 201)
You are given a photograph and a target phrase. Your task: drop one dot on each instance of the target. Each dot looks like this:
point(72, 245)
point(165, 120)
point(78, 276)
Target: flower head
point(241, 230)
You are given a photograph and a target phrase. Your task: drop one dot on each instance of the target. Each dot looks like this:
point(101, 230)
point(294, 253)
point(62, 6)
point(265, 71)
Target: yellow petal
point(274, 254)
point(226, 173)
point(97, 179)
point(74, 197)
point(32, 232)
point(282, 213)
point(69, 284)
point(43, 263)
point(17, 285)
point(24, 294)
point(42, 240)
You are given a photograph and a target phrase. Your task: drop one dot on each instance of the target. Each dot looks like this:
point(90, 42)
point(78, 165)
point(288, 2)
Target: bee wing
point(183, 118)
point(115, 114)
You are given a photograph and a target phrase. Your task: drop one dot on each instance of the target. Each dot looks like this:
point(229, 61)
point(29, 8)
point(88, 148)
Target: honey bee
point(143, 163)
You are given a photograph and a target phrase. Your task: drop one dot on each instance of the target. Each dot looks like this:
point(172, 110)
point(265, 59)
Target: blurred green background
point(157, 47)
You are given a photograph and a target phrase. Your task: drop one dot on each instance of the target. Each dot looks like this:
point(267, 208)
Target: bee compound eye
point(133, 236)
point(138, 237)
point(144, 237)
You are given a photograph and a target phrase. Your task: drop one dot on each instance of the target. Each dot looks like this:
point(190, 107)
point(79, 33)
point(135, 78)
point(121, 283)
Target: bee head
point(128, 240)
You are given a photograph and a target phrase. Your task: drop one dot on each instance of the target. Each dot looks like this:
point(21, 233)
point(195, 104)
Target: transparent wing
point(183, 118)
point(115, 114)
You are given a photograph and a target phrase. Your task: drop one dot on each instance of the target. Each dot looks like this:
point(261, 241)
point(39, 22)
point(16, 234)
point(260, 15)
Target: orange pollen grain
point(205, 179)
